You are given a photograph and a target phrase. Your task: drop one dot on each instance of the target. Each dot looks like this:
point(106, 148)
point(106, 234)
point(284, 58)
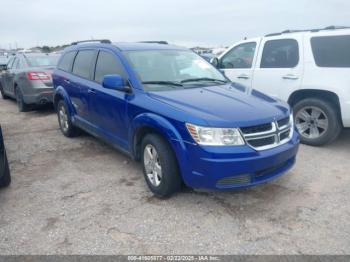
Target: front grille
point(268, 135)
point(259, 142)
point(284, 135)
point(256, 129)
point(283, 122)
point(234, 180)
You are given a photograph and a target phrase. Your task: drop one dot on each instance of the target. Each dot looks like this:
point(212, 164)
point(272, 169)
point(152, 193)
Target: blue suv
point(172, 110)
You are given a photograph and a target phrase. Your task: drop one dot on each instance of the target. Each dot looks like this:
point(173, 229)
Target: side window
point(107, 64)
point(83, 63)
point(331, 51)
point(67, 61)
point(240, 56)
point(283, 53)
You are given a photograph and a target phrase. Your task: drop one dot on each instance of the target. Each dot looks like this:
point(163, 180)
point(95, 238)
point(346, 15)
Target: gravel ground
point(80, 196)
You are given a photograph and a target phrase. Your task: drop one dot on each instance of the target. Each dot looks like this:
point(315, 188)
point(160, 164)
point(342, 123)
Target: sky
point(28, 23)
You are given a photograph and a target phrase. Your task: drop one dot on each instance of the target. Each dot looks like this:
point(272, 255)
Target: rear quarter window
point(66, 62)
point(331, 51)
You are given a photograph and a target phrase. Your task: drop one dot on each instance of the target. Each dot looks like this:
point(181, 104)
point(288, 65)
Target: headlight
point(215, 136)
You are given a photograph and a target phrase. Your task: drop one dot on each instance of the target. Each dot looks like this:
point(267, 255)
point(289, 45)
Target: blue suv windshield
point(172, 69)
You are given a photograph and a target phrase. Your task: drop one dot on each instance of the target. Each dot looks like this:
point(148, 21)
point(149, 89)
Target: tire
point(64, 120)
point(327, 123)
point(22, 106)
point(5, 180)
point(3, 93)
point(169, 180)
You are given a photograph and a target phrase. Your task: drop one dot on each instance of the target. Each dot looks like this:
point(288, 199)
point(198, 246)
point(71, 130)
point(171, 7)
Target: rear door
point(279, 68)
point(108, 107)
point(237, 63)
point(83, 70)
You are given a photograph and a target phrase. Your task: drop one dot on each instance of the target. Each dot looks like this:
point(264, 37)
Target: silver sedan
point(27, 78)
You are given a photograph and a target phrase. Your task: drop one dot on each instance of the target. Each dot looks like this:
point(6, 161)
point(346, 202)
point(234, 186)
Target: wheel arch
point(148, 123)
point(61, 94)
point(328, 96)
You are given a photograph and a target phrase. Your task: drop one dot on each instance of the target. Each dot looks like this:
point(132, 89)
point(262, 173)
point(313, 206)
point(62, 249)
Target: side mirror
point(215, 62)
point(115, 82)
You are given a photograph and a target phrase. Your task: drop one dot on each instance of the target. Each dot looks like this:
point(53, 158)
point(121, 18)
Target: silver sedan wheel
point(311, 122)
point(63, 118)
point(152, 165)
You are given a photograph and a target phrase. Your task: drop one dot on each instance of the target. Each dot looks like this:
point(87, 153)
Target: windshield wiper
point(203, 79)
point(172, 83)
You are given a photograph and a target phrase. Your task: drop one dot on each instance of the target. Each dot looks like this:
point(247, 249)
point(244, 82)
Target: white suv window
point(240, 56)
point(331, 51)
point(281, 53)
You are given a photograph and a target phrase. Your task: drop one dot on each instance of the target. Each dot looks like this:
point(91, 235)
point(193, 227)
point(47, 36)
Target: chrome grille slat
point(279, 133)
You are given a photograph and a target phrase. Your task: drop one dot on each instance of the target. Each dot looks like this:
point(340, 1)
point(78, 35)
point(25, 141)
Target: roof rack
point(102, 41)
point(155, 42)
point(332, 27)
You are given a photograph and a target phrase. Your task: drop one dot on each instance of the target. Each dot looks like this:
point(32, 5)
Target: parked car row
point(186, 121)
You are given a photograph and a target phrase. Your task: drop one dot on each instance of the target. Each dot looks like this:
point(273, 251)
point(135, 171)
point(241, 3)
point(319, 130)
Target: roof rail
point(332, 27)
point(155, 42)
point(102, 41)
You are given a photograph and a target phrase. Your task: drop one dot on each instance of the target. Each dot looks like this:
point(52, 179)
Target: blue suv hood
point(224, 106)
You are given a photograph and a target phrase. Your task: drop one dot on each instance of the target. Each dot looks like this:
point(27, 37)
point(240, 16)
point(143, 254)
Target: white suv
point(310, 69)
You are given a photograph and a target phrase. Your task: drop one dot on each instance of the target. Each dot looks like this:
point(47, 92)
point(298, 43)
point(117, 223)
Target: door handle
point(67, 81)
point(91, 91)
point(243, 76)
point(290, 77)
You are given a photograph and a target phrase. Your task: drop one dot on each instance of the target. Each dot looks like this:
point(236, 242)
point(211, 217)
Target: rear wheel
point(22, 106)
point(5, 179)
point(64, 120)
point(317, 121)
point(160, 166)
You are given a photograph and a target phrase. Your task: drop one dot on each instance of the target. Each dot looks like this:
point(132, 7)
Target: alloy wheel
point(311, 122)
point(152, 165)
point(63, 119)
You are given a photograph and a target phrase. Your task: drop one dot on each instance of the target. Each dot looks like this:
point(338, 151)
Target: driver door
point(237, 63)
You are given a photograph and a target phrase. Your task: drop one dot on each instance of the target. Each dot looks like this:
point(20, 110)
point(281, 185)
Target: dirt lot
point(79, 196)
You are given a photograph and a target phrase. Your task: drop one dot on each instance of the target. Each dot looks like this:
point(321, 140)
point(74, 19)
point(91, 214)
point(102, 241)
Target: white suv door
point(237, 62)
point(279, 68)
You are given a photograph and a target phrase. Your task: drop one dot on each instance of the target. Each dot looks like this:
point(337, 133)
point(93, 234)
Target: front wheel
point(160, 166)
point(317, 121)
point(64, 120)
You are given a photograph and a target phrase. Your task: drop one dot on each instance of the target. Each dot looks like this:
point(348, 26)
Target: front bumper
point(236, 167)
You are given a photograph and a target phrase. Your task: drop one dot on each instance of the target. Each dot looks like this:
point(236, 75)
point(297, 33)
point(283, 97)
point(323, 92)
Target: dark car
point(27, 78)
point(5, 177)
point(169, 108)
